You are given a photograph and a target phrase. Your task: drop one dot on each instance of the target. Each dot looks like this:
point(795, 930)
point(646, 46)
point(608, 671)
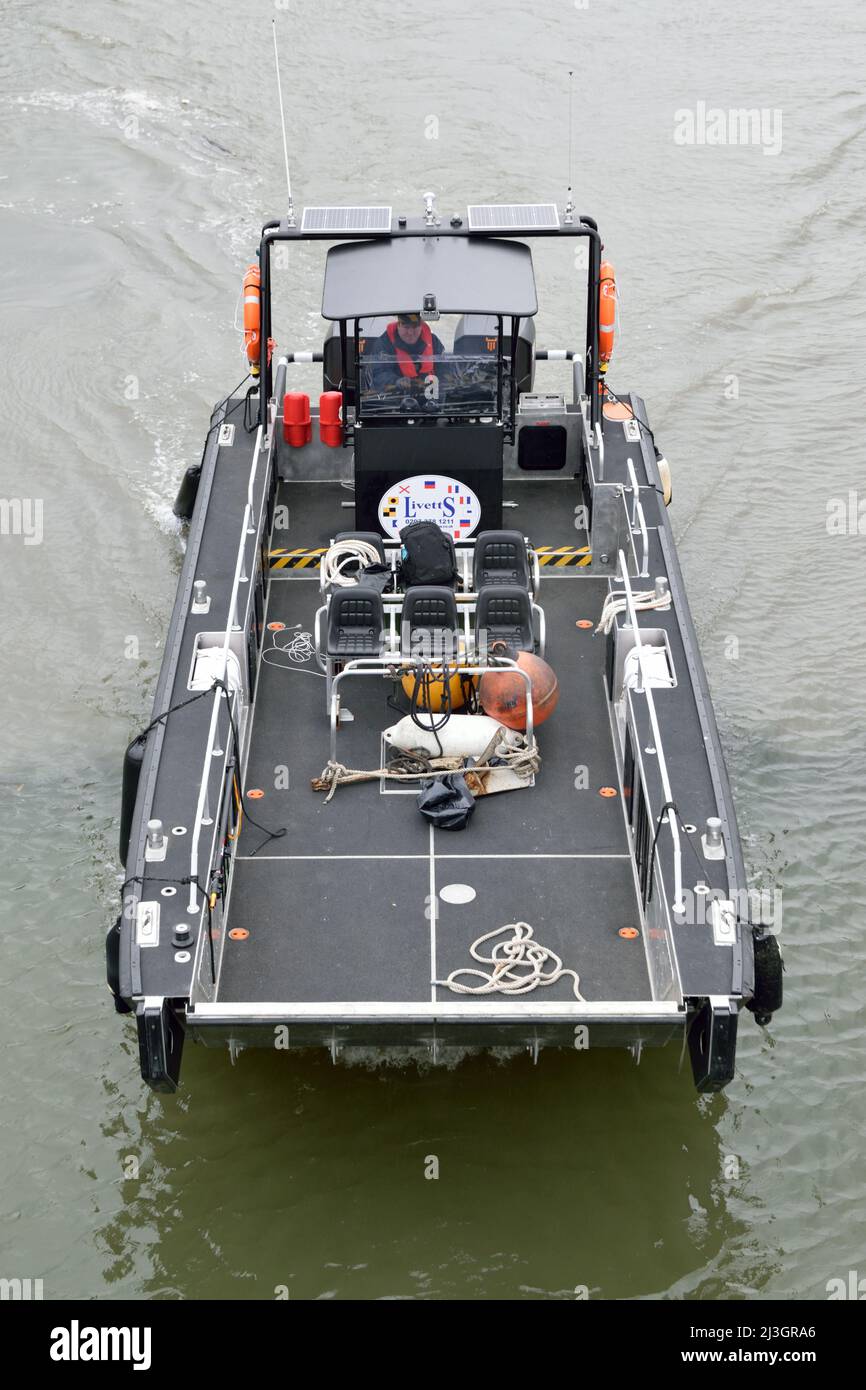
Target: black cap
point(408, 318)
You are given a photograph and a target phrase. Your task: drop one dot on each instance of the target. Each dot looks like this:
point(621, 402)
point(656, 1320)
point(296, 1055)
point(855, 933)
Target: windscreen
point(447, 368)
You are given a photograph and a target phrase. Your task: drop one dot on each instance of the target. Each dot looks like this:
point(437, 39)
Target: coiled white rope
point(349, 552)
point(299, 649)
point(617, 603)
point(519, 953)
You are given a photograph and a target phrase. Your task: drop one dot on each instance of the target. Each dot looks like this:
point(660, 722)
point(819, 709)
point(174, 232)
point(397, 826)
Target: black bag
point(428, 555)
point(447, 802)
point(375, 577)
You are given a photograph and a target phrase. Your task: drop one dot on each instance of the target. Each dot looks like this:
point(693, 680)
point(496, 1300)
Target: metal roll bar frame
point(585, 226)
point(388, 667)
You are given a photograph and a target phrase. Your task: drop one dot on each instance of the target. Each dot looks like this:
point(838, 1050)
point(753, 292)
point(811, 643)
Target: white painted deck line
point(433, 908)
point(336, 858)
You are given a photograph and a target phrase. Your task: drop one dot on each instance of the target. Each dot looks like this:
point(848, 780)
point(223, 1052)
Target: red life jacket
point(405, 361)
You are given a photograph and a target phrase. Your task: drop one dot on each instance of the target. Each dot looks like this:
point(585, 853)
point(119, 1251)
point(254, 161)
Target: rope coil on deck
point(517, 965)
point(525, 762)
point(356, 553)
point(616, 603)
point(299, 648)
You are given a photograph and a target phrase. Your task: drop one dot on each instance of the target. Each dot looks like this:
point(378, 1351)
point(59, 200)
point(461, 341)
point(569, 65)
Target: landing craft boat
point(327, 707)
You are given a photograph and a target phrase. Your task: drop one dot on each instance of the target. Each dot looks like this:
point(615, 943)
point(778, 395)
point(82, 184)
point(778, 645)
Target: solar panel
point(512, 217)
point(338, 220)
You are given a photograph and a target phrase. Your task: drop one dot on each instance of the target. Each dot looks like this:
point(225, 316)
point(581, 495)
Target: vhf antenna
point(569, 207)
point(291, 218)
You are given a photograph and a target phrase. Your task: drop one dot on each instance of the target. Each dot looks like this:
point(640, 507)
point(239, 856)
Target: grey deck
point(317, 511)
point(338, 908)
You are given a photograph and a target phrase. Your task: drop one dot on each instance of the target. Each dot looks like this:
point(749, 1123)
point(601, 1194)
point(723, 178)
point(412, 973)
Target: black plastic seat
point(430, 625)
point(476, 336)
point(500, 558)
point(356, 623)
point(503, 614)
point(371, 537)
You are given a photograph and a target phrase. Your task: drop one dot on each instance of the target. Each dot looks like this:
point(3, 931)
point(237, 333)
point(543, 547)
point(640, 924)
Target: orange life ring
point(606, 314)
point(253, 316)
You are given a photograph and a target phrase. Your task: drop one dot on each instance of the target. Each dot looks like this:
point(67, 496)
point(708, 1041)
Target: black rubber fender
point(712, 1037)
point(132, 761)
point(769, 969)
point(184, 503)
point(160, 1045)
point(112, 966)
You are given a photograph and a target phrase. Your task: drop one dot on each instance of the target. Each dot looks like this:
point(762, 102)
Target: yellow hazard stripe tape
point(559, 556)
point(555, 556)
point(295, 559)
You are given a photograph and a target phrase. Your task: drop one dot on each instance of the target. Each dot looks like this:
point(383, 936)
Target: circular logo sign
point(430, 497)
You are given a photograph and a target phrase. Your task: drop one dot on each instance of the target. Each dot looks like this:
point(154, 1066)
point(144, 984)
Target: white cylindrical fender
point(209, 667)
point(465, 735)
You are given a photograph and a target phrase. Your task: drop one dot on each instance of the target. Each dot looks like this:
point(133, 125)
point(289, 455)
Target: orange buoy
point(253, 316)
point(606, 314)
point(503, 693)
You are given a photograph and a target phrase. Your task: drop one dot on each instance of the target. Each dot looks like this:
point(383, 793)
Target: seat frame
point(331, 662)
point(466, 599)
point(537, 627)
point(412, 596)
point(508, 536)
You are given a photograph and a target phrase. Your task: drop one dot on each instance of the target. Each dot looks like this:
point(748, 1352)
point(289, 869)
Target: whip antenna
point(291, 218)
point(569, 207)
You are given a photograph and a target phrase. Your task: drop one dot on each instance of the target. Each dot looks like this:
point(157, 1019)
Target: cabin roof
point(468, 275)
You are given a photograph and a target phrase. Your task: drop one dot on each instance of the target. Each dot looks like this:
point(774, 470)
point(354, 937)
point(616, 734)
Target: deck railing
point(637, 520)
point(203, 815)
point(598, 440)
point(645, 689)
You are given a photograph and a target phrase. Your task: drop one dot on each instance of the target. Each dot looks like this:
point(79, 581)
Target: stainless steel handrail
point(638, 520)
point(232, 625)
point(593, 437)
point(678, 904)
point(379, 666)
point(599, 444)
